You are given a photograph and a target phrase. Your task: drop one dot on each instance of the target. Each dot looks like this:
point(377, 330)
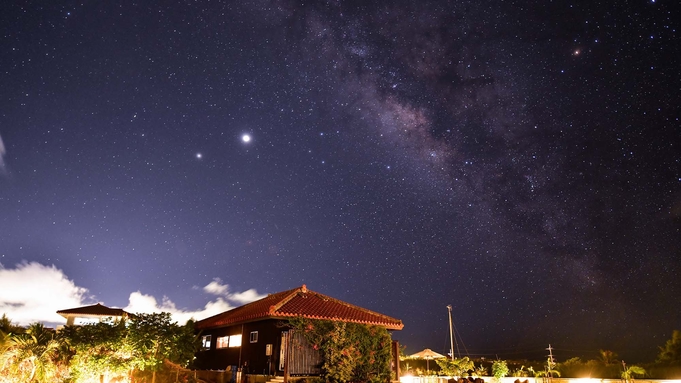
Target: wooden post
point(287, 354)
point(396, 359)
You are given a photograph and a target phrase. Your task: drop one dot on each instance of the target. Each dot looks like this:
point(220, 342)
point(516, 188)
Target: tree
point(187, 343)
point(153, 338)
point(7, 327)
point(456, 367)
point(98, 349)
point(573, 367)
point(608, 357)
point(499, 369)
point(671, 352)
point(350, 351)
point(31, 356)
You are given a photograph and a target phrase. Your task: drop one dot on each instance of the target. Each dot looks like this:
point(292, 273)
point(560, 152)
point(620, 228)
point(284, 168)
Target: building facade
point(92, 314)
point(257, 338)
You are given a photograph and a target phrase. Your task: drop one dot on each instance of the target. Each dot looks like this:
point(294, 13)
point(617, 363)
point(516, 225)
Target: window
point(228, 341)
point(223, 342)
point(205, 342)
point(85, 321)
point(254, 337)
point(235, 341)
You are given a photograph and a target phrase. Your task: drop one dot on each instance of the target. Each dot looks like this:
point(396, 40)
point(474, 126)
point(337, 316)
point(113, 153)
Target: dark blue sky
point(518, 160)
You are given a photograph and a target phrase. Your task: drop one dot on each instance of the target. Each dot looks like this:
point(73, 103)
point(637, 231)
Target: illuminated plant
point(608, 357)
point(632, 371)
point(351, 351)
point(153, 338)
point(457, 367)
point(499, 369)
point(671, 352)
point(31, 356)
point(98, 350)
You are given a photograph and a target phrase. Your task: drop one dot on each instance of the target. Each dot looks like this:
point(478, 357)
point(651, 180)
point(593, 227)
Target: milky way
point(401, 156)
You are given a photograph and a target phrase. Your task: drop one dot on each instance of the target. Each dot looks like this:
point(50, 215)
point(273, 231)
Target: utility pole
point(550, 363)
point(451, 335)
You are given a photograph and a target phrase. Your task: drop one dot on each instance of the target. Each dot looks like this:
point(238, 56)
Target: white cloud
point(33, 292)
point(246, 296)
point(142, 303)
point(216, 287)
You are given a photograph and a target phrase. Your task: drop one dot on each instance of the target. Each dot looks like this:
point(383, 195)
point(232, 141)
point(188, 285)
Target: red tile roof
point(300, 302)
point(98, 310)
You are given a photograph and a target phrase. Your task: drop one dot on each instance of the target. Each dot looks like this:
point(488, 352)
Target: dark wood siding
point(219, 359)
point(254, 358)
point(250, 356)
point(304, 359)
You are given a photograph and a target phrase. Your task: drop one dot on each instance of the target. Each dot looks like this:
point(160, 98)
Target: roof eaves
point(387, 325)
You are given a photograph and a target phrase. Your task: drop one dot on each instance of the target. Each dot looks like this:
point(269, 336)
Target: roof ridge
point(287, 298)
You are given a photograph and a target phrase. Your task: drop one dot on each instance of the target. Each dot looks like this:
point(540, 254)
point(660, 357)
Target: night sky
point(519, 160)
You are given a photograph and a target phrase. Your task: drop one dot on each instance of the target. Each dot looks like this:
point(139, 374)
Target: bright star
point(246, 138)
point(199, 156)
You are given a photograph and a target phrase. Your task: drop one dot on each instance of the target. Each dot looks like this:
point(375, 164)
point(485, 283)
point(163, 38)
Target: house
point(92, 314)
point(251, 336)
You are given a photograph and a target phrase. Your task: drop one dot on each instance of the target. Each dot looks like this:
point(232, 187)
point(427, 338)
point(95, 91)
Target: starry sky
point(519, 160)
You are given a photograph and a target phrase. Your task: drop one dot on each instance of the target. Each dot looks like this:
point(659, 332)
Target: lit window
point(223, 342)
point(85, 321)
point(235, 341)
point(254, 337)
point(205, 342)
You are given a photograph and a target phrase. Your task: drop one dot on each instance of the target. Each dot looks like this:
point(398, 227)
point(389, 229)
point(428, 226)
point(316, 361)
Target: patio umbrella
point(427, 354)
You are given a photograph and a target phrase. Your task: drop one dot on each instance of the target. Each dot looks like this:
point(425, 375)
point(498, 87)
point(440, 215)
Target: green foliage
point(351, 351)
point(573, 367)
point(153, 338)
point(480, 371)
point(97, 349)
point(457, 367)
point(521, 372)
point(547, 372)
point(608, 357)
point(308, 379)
point(499, 369)
point(670, 354)
point(632, 371)
point(30, 356)
point(85, 353)
point(7, 327)
point(594, 368)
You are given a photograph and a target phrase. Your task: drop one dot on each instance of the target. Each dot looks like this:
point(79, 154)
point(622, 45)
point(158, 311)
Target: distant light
point(199, 156)
point(246, 138)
